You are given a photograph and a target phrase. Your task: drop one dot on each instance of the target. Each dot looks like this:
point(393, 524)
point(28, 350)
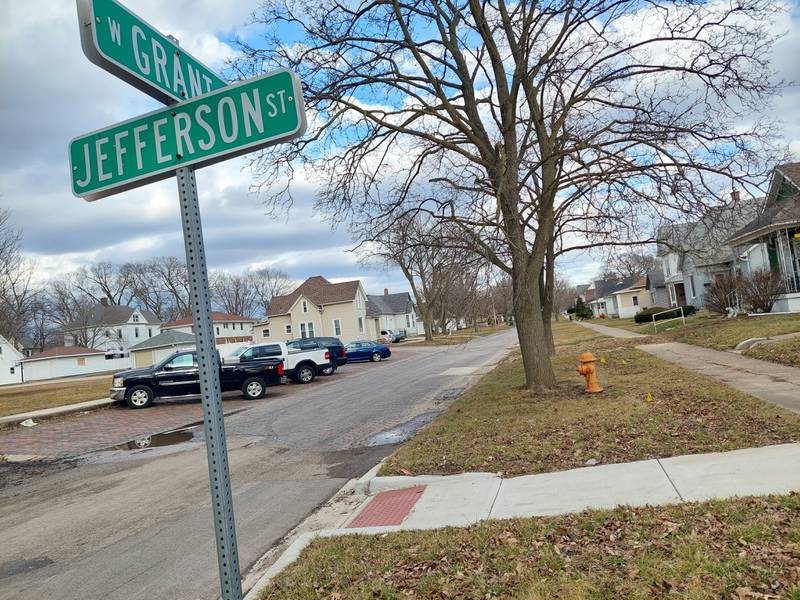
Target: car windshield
point(240, 350)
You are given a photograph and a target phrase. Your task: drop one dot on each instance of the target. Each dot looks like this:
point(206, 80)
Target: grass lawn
point(647, 328)
point(742, 549)
point(650, 408)
point(722, 333)
point(23, 399)
point(463, 335)
point(786, 353)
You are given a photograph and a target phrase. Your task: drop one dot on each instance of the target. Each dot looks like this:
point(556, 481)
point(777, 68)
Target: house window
point(135, 318)
point(360, 324)
point(337, 327)
point(635, 300)
point(136, 332)
point(149, 332)
point(119, 334)
point(408, 320)
point(108, 333)
point(241, 326)
point(691, 286)
point(310, 330)
point(81, 362)
point(288, 329)
point(217, 330)
point(224, 325)
point(305, 306)
point(265, 333)
point(303, 330)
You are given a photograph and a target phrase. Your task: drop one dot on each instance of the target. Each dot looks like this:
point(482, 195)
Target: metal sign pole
point(208, 363)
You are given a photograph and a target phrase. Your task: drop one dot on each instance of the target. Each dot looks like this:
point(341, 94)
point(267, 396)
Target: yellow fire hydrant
point(588, 370)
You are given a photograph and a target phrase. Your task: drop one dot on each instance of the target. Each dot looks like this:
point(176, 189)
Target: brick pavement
point(78, 433)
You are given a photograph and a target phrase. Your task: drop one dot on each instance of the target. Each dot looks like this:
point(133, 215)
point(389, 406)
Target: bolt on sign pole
point(208, 363)
point(206, 122)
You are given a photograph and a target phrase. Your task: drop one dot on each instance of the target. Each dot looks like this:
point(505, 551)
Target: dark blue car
point(366, 350)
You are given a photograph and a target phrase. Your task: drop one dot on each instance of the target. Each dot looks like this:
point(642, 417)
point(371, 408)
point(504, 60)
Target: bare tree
point(17, 291)
point(522, 124)
point(631, 264)
point(161, 285)
point(107, 280)
point(564, 295)
point(268, 282)
point(235, 293)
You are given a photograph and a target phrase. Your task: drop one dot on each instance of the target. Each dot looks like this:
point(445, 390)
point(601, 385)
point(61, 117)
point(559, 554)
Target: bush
point(582, 311)
point(723, 293)
point(760, 290)
point(646, 315)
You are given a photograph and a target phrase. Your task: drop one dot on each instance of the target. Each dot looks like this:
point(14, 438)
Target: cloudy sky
point(52, 93)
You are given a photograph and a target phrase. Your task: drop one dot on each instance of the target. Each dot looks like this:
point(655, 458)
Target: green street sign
point(122, 43)
point(211, 128)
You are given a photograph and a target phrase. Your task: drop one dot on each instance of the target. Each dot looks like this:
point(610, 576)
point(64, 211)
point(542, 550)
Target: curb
point(57, 410)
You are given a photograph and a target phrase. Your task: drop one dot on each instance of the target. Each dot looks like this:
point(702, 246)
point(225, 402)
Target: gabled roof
point(317, 289)
point(606, 287)
point(108, 316)
point(217, 317)
point(781, 208)
point(706, 240)
point(389, 304)
point(62, 351)
point(8, 343)
point(638, 283)
point(171, 337)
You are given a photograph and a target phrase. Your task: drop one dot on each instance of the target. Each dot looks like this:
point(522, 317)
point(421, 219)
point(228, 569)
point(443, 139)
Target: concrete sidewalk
point(768, 381)
point(432, 502)
point(616, 332)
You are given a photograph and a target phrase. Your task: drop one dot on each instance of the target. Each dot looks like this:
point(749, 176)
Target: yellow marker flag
point(649, 397)
point(602, 360)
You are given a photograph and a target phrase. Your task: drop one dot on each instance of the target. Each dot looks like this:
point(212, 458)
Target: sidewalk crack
point(672, 483)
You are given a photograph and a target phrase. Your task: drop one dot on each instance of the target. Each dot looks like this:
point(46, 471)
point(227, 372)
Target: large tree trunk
point(546, 289)
point(531, 333)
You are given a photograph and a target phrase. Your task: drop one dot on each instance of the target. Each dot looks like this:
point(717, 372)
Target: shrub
point(760, 290)
point(723, 293)
point(582, 311)
point(646, 315)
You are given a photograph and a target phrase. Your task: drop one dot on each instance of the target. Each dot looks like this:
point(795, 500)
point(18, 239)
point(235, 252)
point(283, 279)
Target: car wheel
point(329, 370)
point(376, 357)
point(140, 396)
point(254, 388)
point(305, 375)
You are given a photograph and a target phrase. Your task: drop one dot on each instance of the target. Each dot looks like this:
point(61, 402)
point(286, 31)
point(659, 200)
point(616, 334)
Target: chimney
point(385, 291)
point(735, 196)
point(104, 301)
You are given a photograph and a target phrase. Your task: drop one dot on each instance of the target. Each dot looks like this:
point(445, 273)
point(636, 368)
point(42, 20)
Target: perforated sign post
point(206, 122)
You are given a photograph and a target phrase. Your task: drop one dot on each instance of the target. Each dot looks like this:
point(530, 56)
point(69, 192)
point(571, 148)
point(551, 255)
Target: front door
point(680, 294)
point(179, 376)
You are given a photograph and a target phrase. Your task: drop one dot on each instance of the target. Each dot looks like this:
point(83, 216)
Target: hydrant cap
point(587, 357)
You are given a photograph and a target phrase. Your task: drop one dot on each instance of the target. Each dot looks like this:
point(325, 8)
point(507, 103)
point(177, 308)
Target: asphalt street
point(129, 522)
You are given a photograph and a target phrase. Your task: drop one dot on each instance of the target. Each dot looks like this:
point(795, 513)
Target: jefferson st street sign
point(208, 129)
point(125, 45)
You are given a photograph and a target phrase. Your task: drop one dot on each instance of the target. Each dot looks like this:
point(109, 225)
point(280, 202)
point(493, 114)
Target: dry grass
point(742, 549)
point(23, 399)
point(649, 409)
point(722, 333)
point(785, 353)
point(462, 336)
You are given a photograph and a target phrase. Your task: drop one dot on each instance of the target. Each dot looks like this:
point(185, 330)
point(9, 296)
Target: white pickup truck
point(301, 366)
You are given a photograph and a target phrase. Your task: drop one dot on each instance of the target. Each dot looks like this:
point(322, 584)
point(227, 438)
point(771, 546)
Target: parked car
point(301, 365)
point(333, 344)
point(178, 375)
point(367, 350)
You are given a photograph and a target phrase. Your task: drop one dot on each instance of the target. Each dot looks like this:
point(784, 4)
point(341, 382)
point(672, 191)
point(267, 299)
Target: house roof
point(217, 317)
point(113, 314)
point(606, 287)
point(61, 351)
point(171, 337)
point(790, 171)
point(638, 283)
point(8, 342)
point(778, 215)
point(317, 289)
point(389, 304)
point(706, 239)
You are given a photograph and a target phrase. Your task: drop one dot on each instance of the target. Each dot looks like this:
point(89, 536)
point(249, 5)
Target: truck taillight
point(327, 356)
point(280, 369)
point(344, 352)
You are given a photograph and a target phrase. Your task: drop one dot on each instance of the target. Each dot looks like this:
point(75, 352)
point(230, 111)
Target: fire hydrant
point(588, 370)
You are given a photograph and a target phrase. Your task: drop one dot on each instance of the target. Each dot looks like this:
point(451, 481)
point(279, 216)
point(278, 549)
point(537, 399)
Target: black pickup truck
point(178, 375)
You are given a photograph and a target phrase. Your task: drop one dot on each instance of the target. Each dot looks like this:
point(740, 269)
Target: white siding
point(9, 356)
point(68, 366)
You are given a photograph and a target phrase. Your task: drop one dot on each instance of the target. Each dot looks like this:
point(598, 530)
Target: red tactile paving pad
point(388, 508)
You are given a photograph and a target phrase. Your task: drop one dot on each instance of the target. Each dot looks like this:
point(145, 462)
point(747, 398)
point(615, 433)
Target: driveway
point(119, 521)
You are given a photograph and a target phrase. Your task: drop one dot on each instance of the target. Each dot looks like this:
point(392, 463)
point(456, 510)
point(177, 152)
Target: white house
point(392, 311)
point(9, 362)
point(70, 361)
point(112, 328)
point(157, 348)
point(228, 328)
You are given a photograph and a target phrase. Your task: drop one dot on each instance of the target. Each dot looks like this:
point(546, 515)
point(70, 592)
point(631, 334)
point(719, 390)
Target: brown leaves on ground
point(736, 549)
point(499, 426)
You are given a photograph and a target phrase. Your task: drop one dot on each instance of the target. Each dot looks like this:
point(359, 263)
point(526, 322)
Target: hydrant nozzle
point(588, 370)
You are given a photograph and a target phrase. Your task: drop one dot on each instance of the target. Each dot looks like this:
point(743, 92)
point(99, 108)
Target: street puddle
point(403, 431)
point(169, 438)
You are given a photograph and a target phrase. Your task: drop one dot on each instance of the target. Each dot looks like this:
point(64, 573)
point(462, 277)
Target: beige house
point(630, 300)
point(318, 308)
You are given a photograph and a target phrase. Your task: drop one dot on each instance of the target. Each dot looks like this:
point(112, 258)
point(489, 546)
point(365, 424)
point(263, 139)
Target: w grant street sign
point(208, 129)
point(124, 44)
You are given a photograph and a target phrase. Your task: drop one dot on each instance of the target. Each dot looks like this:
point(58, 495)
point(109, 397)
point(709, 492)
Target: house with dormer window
point(318, 308)
point(111, 328)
